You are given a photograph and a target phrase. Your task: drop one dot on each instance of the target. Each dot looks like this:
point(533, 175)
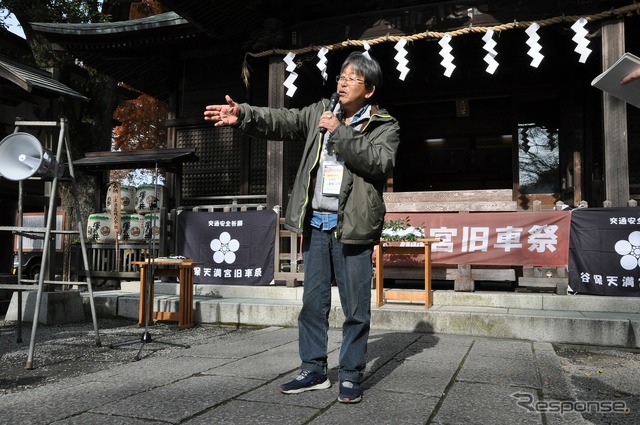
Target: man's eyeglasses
point(349, 80)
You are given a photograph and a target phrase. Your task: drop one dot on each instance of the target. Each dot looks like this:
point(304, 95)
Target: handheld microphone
point(333, 101)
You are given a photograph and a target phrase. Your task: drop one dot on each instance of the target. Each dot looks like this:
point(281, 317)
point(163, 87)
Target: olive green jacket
point(369, 156)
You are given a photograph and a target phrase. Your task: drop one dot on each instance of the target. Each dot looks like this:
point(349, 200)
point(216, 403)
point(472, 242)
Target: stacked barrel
point(139, 215)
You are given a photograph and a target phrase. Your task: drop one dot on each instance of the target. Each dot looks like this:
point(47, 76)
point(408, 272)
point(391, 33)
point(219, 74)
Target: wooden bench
point(229, 207)
point(288, 255)
point(287, 252)
point(465, 201)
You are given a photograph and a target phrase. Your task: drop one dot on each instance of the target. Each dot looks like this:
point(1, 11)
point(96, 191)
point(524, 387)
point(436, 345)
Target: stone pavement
point(568, 319)
point(230, 375)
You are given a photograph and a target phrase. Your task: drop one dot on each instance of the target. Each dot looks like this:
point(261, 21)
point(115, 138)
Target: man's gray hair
point(367, 67)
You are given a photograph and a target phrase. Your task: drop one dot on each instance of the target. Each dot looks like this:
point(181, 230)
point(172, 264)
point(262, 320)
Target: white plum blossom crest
point(224, 248)
point(630, 251)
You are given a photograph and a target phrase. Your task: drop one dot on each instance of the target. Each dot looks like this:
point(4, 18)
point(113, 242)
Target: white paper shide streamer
point(401, 58)
point(489, 46)
point(322, 62)
point(533, 41)
point(289, 83)
point(534, 46)
point(366, 50)
point(581, 39)
point(447, 57)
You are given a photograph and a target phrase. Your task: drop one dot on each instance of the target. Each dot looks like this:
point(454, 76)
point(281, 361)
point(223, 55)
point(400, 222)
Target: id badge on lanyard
point(332, 178)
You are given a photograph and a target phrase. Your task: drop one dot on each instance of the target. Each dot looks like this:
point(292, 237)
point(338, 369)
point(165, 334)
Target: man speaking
point(336, 203)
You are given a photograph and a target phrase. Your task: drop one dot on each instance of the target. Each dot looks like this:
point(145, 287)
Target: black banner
point(235, 248)
point(604, 251)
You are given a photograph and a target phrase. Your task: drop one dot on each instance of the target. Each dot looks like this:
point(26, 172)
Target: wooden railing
point(491, 200)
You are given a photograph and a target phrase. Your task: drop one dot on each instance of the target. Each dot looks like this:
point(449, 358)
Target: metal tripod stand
point(146, 338)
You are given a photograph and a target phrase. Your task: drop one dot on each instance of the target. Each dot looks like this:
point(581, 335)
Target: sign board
point(38, 220)
point(235, 248)
point(501, 238)
point(604, 251)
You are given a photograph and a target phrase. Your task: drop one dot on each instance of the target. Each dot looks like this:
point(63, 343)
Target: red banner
point(503, 238)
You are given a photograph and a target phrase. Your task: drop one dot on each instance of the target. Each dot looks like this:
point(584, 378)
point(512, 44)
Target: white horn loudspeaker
point(22, 156)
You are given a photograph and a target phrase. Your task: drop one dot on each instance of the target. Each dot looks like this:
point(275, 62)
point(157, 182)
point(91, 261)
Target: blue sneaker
point(350, 392)
point(306, 381)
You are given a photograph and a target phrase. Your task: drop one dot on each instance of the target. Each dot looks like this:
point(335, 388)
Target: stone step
point(532, 301)
point(55, 307)
point(544, 317)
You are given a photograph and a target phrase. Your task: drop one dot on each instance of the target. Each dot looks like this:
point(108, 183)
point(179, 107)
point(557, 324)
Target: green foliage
point(401, 230)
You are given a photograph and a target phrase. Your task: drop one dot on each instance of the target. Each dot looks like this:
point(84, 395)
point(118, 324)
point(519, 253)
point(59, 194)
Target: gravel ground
point(70, 350)
point(604, 375)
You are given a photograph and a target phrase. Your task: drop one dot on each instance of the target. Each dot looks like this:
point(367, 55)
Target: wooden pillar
point(464, 281)
point(577, 171)
point(275, 148)
point(616, 169)
point(173, 180)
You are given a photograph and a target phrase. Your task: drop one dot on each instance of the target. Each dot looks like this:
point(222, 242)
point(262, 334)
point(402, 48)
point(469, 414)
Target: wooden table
point(180, 268)
point(425, 296)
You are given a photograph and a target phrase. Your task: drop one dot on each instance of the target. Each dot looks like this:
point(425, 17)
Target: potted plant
point(400, 232)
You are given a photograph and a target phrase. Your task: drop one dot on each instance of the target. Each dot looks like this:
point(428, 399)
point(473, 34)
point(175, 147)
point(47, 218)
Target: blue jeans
point(324, 259)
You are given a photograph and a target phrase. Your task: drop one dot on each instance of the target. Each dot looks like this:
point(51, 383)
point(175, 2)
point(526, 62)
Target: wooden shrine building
point(541, 131)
